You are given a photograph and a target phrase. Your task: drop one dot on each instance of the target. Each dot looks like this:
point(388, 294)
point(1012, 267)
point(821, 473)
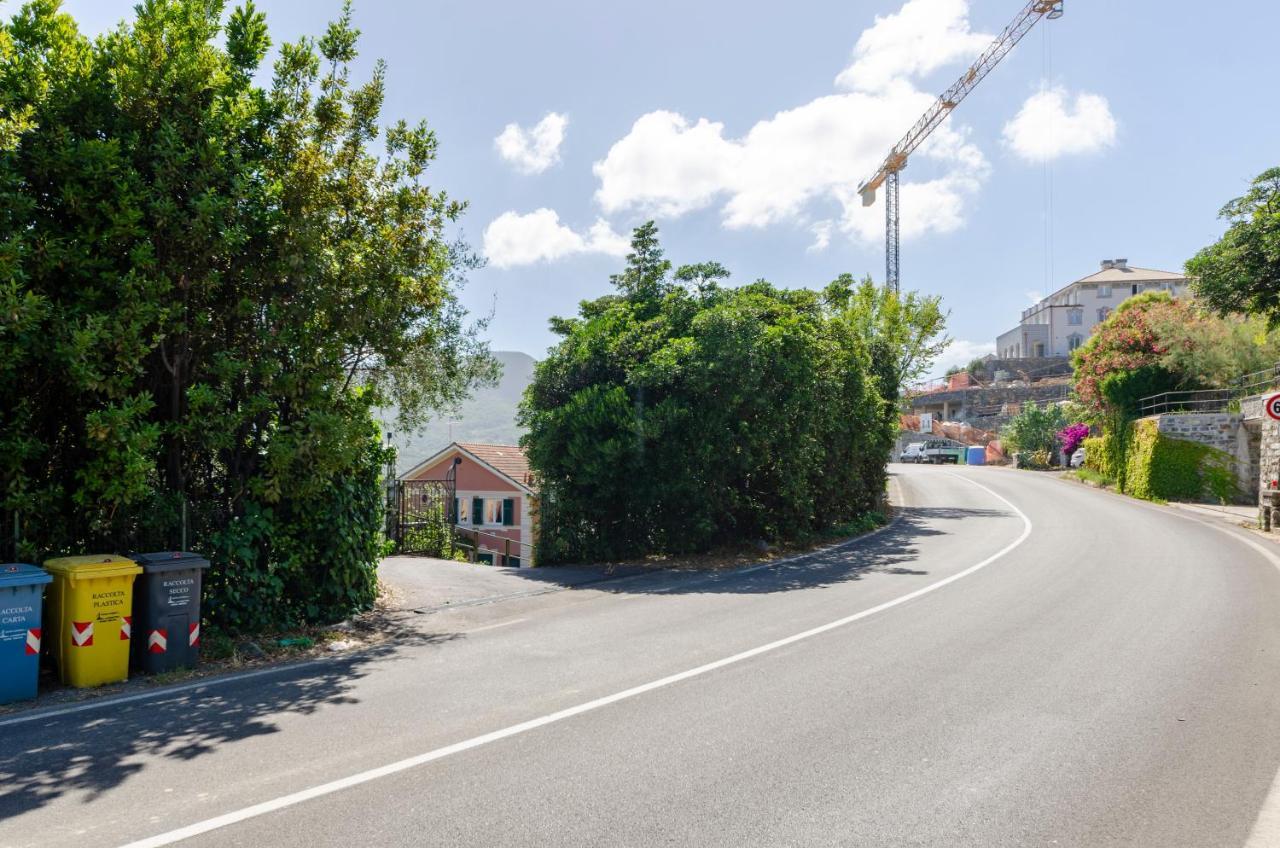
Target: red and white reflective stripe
point(158, 641)
point(82, 633)
point(193, 634)
point(126, 627)
point(33, 641)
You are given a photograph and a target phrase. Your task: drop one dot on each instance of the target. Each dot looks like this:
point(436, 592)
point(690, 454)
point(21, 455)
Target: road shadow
point(94, 751)
point(893, 550)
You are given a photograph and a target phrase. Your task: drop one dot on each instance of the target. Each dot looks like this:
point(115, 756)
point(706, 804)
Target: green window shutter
point(457, 511)
point(508, 512)
point(477, 510)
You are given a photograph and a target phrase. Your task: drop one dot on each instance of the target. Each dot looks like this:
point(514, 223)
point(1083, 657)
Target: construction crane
point(887, 174)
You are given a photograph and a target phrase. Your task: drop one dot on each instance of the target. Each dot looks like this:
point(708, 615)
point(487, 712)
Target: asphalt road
point(1017, 661)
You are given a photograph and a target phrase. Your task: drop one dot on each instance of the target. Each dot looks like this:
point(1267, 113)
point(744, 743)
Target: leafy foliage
point(677, 414)
point(1153, 344)
point(1165, 468)
point(206, 286)
point(1034, 428)
point(1240, 273)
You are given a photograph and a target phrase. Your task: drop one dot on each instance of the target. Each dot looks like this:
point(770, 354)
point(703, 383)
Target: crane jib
point(936, 114)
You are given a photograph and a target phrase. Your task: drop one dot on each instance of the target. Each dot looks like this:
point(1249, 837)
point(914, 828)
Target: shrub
point(1159, 467)
point(1035, 428)
point(674, 418)
point(1072, 436)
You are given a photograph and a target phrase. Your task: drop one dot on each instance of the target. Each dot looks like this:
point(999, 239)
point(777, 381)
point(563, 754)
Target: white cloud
point(960, 353)
point(1050, 125)
point(670, 165)
point(512, 239)
point(534, 150)
point(1033, 296)
point(919, 38)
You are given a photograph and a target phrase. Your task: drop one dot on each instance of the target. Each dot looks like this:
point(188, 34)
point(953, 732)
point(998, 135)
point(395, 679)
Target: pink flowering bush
point(1072, 436)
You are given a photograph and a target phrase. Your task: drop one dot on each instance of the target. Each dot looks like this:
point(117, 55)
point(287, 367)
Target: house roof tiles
point(509, 459)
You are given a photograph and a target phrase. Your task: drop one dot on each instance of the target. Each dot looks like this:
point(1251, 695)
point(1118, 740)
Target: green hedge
point(1158, 467)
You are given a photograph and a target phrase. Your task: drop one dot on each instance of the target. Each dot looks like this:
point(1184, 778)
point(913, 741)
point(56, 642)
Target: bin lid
point(158, 561)
point(93, 565)
point(22, 574)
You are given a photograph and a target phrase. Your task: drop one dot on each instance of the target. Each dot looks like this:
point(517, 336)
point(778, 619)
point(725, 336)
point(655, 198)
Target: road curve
point(1109, 675)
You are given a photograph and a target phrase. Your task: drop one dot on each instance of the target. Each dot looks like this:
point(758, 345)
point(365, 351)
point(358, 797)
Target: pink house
point(494, 497)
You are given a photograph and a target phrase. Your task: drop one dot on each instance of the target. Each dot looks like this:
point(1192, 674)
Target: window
point(1103, 312)
point(1075, 316)
point(490, 512)
point(1104, 291)
point(1074, 341)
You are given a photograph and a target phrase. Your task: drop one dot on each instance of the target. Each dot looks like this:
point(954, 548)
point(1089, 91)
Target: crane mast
point(887, 173)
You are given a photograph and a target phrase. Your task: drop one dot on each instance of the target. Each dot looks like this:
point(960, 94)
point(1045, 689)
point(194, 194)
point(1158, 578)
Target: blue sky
point(743, 128)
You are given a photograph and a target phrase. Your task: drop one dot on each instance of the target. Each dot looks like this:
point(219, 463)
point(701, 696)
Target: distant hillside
point(489, 416)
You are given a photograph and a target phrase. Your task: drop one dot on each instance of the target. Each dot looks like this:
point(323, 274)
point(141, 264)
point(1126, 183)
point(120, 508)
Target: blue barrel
point(21, 592)
point(977, 455)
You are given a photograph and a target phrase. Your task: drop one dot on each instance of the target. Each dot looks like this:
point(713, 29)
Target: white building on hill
point(1062, 321)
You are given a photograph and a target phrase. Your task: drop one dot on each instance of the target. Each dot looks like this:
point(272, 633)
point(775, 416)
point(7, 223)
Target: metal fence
point(1212, 400)
point(1196, 400)
point(421, 520)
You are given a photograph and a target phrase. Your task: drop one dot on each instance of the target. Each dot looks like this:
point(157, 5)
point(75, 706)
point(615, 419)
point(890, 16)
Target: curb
point(41, 713)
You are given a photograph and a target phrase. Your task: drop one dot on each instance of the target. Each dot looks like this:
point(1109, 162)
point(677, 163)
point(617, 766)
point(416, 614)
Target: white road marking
point(331, 787)
point(1266, 827)
point(494, 626)
point(177, 689)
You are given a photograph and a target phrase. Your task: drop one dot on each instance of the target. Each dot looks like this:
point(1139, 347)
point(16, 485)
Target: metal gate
point(422, 512)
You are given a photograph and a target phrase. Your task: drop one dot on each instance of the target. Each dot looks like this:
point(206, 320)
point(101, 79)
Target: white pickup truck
point(939, 452)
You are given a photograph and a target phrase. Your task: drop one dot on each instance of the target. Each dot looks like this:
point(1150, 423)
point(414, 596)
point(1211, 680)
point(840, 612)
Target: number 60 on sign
point(1273, 406)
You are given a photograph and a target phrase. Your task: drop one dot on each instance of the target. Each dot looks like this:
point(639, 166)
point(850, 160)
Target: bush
point(1035, 428)
point(212, 275)
point(1163, 468)
point(675, 419)
point(1071, 437)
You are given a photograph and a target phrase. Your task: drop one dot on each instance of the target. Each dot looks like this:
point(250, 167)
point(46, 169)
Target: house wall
point(1053, 313)
point(476, 481)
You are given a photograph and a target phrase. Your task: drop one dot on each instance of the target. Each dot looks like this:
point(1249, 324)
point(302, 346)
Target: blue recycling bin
point(21, 593)
point(977, 455)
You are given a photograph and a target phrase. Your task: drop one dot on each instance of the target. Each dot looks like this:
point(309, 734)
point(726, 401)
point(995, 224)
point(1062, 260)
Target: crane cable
point(1046, 77)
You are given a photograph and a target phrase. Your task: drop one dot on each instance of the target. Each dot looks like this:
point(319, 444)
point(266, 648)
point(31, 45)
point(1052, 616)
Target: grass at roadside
point(1091, 477)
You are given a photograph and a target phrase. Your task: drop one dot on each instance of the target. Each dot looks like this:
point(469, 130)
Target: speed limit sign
point(1273, 407)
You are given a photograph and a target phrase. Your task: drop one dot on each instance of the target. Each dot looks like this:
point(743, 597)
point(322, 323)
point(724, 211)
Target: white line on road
point(525, 726)
point(506, 623)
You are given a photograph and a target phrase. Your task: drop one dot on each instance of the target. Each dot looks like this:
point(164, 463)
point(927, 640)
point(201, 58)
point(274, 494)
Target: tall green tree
point(1240, 273)
point(206, 287)
point(677, 414)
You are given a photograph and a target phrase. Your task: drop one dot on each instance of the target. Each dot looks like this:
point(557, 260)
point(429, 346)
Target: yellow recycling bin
point(88, 617)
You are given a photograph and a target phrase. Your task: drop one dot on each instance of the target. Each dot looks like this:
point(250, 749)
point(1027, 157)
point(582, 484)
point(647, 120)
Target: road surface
point(1016, 661)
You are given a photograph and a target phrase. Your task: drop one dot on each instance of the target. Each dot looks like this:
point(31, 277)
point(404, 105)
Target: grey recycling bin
point(166, 610)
